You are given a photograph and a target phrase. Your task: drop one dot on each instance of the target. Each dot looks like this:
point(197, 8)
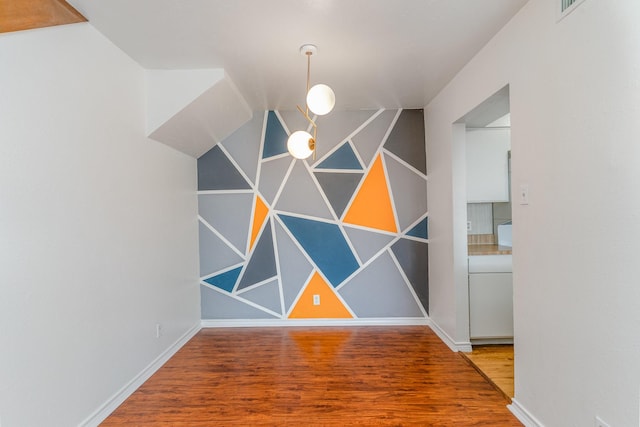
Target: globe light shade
point(298, 144)
point(321, 99)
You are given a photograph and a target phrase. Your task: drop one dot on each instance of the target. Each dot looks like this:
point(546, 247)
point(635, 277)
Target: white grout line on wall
point(224, 239)
point(285, 179)
point(390, 193)
point(404, 163)
point(408, 283)
point(237, 166)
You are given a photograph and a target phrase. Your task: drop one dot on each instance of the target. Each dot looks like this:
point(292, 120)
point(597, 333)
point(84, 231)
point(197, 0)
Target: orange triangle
point(330, 306)
point(372, 205)
point(259, 214)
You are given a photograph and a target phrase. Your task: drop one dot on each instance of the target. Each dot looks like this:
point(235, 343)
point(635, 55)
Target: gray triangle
point(244, 145)
point(294, 120)
point(407, 140)
point(271, 174)
point(262, 264)
point(216, 172)
point(339, 188)
point(409, 192)
point(336, 127)
point(301, 194)
point(367, 243)
point(216, 305)
point(229, 214)
point(369, 139)
point(380, 291)
point(413, 257)
point(266, 295)
point(294, 266)
point(214, 253)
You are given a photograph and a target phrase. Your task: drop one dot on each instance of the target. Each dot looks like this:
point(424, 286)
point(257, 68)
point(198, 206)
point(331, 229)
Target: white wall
point(575, 109)
point(98, 228)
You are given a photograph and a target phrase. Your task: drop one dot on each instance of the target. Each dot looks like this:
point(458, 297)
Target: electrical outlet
point(316, 300)
point(158, 330)
point(468, 225)
point(600, 423)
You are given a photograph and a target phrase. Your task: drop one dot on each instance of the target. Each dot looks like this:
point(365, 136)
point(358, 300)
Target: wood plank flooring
point(368, 376)
point(495, 362)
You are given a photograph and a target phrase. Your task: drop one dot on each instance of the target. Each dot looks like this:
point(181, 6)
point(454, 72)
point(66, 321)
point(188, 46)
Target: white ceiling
point(373, 53)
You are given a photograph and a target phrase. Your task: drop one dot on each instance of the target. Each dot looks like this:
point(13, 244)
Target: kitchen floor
point(495, 363)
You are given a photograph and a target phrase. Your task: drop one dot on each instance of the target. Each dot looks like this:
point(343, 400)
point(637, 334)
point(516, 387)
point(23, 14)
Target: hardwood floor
point(315, 377)
point(495, 362)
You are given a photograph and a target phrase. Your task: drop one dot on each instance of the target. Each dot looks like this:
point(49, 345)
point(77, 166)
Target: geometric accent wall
point(343, 236)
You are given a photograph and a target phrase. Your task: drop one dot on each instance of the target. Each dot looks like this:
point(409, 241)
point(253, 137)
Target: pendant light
point(320, 100)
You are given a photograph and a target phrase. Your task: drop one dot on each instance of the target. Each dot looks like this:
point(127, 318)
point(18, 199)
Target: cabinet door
point(491, 305)
point(488, 165)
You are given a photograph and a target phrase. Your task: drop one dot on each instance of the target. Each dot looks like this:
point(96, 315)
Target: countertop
point(489, 250)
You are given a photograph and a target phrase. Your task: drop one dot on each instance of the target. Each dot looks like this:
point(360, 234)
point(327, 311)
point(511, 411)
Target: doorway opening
point(486, 138)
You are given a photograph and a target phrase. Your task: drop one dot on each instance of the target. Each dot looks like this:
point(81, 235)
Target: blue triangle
point(275, 137)
point(225, 281)
point(342, 158)
point(326, 245)
point(420, 229)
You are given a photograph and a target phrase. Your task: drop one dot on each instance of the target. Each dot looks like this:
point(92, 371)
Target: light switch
point(524, 194)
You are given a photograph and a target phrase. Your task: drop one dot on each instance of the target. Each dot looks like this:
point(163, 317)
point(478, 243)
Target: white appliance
point(504, 234)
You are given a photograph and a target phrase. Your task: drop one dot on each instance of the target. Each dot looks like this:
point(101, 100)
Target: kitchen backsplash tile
point(481, 217)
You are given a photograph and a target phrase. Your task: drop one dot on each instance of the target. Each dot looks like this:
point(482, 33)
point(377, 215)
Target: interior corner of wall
point(242, 102)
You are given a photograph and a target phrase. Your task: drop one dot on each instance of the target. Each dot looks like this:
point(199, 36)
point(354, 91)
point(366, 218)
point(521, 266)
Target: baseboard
point(116, 400)
point(259, 323)
point(450, 342)
point(523, 415)
point(486, 341)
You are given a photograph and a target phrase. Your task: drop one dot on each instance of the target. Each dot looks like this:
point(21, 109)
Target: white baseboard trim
point(455, 346)
point(100, 414)
point(485, 341)
point(524, 416)
point(270, 323)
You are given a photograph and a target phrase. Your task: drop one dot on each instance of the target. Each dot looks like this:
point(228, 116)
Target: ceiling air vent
point(567, 6)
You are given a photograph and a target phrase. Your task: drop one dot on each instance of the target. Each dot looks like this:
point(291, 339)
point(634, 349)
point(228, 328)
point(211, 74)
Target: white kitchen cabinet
point(491, 305)
point(487, 152)
point(490, 297)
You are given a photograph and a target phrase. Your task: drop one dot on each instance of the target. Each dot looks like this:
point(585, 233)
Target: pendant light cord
point(308, 80)
point(315, 129)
